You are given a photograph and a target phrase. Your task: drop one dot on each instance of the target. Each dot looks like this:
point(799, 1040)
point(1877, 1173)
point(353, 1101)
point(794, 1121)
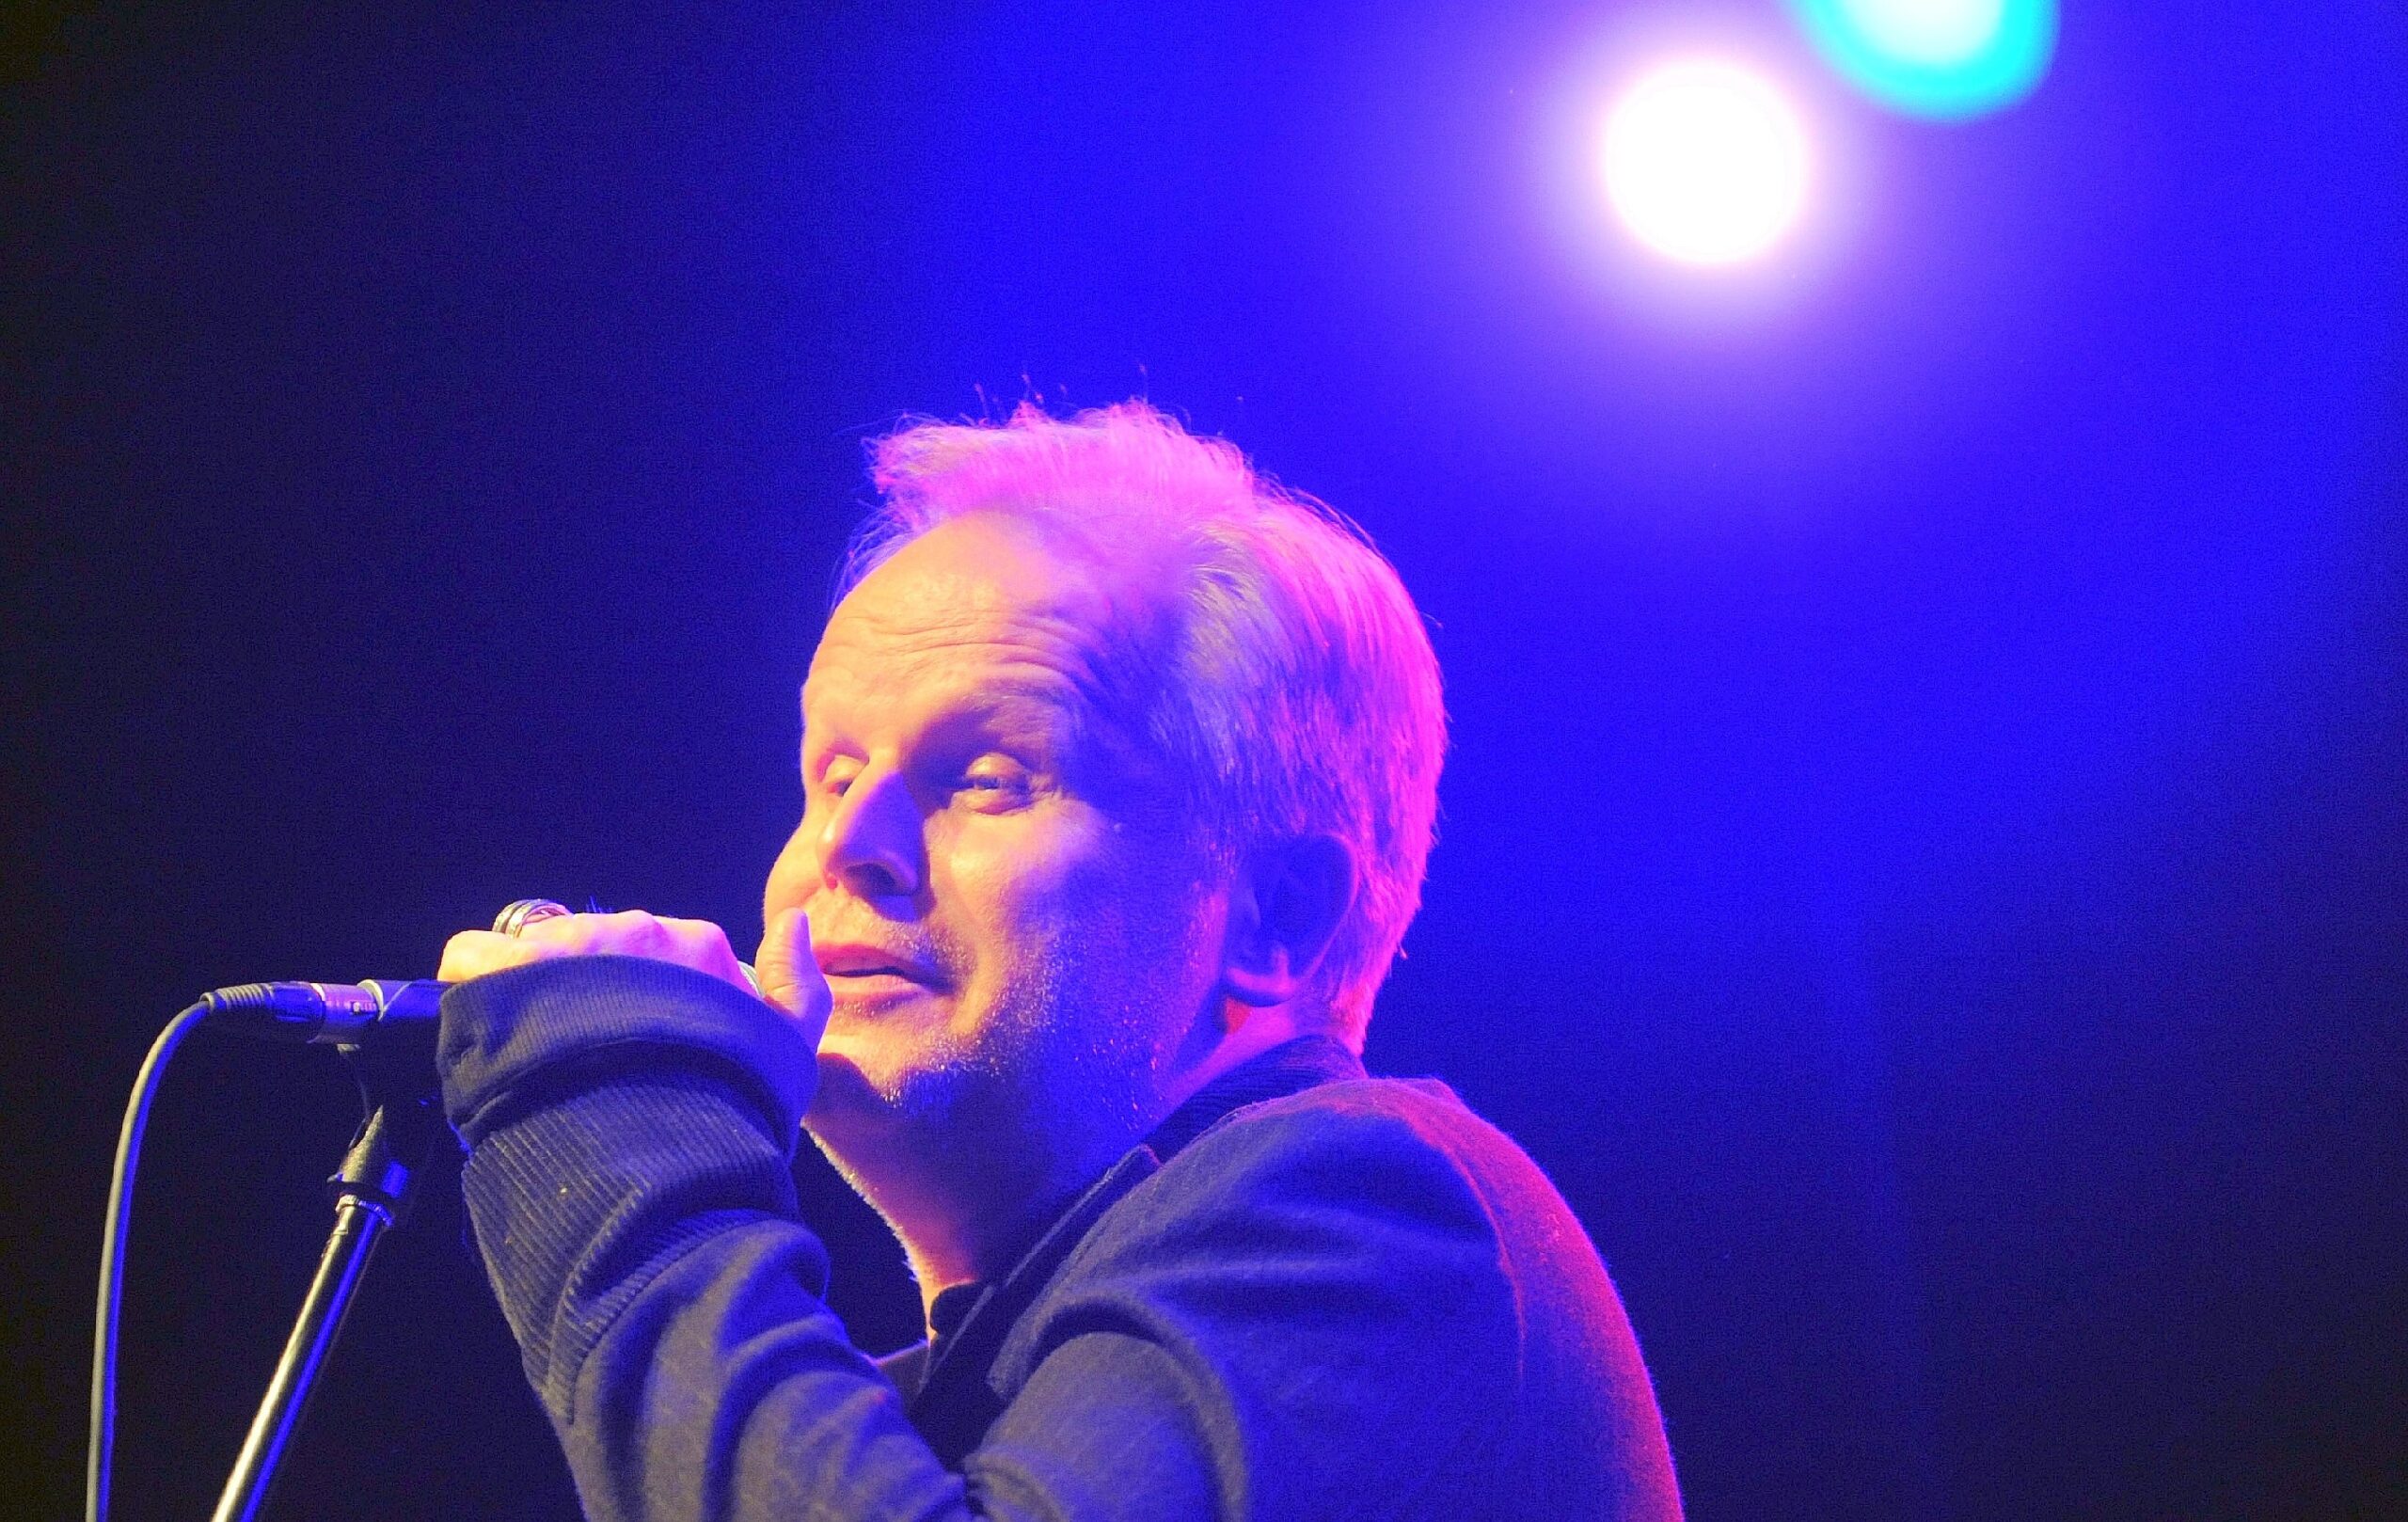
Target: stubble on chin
point(1059, 1070)
point(932, 1079)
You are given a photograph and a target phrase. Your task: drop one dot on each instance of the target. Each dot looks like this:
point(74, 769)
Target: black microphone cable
point(114, 1229)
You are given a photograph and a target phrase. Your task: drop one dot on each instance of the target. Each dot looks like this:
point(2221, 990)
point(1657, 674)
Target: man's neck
point(965, 1208)
point(967, 1203)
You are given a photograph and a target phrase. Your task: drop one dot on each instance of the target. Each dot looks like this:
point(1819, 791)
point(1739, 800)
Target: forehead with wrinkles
point(981, 606)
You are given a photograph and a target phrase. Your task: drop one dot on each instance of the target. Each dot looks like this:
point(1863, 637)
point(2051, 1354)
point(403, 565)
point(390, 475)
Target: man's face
point(1014, 935)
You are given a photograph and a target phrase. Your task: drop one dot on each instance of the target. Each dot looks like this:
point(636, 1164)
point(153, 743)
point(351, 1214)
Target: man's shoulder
point(1339, 1160)
point(1383, 1153)
point(1406, 1119)
point(1368, 1257)
point(1425, 1107)
point(1489, 1258)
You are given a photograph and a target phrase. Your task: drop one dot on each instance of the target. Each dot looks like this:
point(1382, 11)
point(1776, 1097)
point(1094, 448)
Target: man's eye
point(991, 784)
point(837, 778)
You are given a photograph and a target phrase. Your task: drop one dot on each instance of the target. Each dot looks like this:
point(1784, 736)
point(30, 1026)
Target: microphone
point(349, 1014)
point(352, 1014)
point(339, 1014)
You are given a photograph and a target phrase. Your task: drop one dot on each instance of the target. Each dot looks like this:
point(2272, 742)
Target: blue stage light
point(1705, 162)
point(1946, 59)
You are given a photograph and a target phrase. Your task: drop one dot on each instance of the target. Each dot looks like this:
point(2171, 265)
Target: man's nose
point(871, 842)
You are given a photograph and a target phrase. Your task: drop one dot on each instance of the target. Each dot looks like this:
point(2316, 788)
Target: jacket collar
point(1290, 1068)
point(951, 1403)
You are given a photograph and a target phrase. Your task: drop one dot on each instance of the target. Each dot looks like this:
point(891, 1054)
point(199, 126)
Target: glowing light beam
point(1705, 162)
point(1944, 58)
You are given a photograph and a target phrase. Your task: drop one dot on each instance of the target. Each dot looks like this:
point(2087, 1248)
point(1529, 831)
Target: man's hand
point(789, 979)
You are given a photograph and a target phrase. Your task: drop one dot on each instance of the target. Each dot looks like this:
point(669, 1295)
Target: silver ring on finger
point(518, 914)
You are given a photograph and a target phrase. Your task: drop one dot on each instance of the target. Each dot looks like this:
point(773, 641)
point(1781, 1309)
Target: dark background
point(1922, 860)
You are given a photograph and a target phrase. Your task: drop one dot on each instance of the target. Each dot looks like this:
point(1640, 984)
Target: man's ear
point(1285, 905)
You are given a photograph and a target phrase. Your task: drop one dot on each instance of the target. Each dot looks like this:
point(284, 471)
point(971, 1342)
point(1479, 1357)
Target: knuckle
point(696, 935)
point(475, 953)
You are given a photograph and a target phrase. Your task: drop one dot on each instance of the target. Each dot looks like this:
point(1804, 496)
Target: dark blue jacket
point(1311, 1294)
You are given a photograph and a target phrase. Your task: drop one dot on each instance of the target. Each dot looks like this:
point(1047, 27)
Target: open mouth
point(873, 979)
point(871, 970)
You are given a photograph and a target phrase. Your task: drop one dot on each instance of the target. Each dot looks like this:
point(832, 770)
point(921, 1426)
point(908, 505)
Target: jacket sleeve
point(1264, 1330)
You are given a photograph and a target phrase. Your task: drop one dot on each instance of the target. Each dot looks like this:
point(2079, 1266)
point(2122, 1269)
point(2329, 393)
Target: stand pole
point(373, 1191)
point(358, 1225)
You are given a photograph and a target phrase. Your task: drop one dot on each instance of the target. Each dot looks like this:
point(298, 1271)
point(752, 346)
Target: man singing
point(1120, 767)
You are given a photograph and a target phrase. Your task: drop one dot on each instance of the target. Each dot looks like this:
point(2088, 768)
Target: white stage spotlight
point(1705, 162)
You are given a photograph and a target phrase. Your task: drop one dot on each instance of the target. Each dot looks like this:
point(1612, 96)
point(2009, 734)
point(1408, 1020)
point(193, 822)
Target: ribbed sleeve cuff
point(619, 1113)
point(578, 1205)
point(515, 1040)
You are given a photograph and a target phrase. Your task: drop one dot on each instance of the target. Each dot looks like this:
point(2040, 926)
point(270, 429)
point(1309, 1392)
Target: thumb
point(789, 979)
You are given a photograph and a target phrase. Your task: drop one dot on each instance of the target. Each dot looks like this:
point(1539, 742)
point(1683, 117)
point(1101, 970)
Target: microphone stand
point(373, 1191)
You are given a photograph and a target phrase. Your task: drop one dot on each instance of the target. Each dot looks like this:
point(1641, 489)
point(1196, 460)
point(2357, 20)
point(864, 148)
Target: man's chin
point(877, 1092)
point(845, 1101)
point(884, 1129)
